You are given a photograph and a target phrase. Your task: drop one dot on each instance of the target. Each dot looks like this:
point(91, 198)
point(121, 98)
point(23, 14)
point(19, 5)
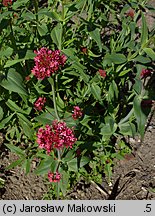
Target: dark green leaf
point(42, 29)
point(44, 166)
point(5, 121)
point(15, 149)
point(64, 182)
point(140, 116)
point(84, 160)
point(56, 35)
point(95, 35)
point(96, 91)
point(1, 113)
point(150, 53)
point(13, 106)
point(73, 165)
point(15, 163)
point(14, 82)
point(144, 33)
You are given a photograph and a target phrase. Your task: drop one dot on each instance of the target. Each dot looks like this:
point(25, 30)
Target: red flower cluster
point(130, 13)
point(84, 50)
point(145, 73)
point(102, 73)
point(54, 177)
point(77, 112)
point(27, 78)
point(56, 136)
point(47, 62)
point(78, 152)
point(6, 3)
point(147, 103)
point(39, 104)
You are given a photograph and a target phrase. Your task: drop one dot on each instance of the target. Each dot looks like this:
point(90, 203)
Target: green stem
point(63, 14)
point(13, 40)
point(36, 9)
point(51, 81)
point(58, 186)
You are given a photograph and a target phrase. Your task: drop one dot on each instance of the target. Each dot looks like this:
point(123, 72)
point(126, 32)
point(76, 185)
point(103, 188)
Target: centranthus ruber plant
point(76, 81)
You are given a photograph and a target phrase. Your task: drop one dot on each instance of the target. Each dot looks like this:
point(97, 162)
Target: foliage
point(106, 50)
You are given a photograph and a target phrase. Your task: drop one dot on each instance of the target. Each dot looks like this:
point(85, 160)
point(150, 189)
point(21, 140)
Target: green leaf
point(54, 166)
point(140, 116)
point(42, 29)
point(71, 54)
point(21, 116)
point(126, 118)
point(138, 86)
point(84, 160)
point(56, 35)
point(108, 171)
point(5, 121)
point(144, 33)
point(29, 55)
point(18, 4)
point(142, 59)
point(96, 91)
point(73, 165)
point(60, 102)
point(64, 182)
point(81, 69)
point(117, 58)
point(28, 16)
point(15, 163)
point(7, 52)
point(72, 58)
point(113, 91)
point(13, 106)
point(28, 131)
point(9, 63)
point(55, 16)
point(69, 156)
point(27, 165)
point(90, 53)
point(95, 35)
point(1, 113)
point(107, 130)
point(44, 166)
point(46, 118)
point(15, 149)
point(14, 82)
point(127, 129)
point(122, 73)
point(150, 53)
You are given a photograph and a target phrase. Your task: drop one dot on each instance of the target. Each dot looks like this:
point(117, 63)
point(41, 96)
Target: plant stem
point(62, 3)
point(58, 186)
point(36, 9)
point(12, 37)
point(51, 81)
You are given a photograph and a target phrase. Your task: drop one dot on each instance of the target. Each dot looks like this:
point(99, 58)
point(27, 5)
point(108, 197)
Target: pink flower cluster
point(47, 62)
point(145, 73)
point(54, 177)
point(130, 13)
point(39, 104)
point(77, 112)
point(6, 3)
point(56, 136)
point(102, 73)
